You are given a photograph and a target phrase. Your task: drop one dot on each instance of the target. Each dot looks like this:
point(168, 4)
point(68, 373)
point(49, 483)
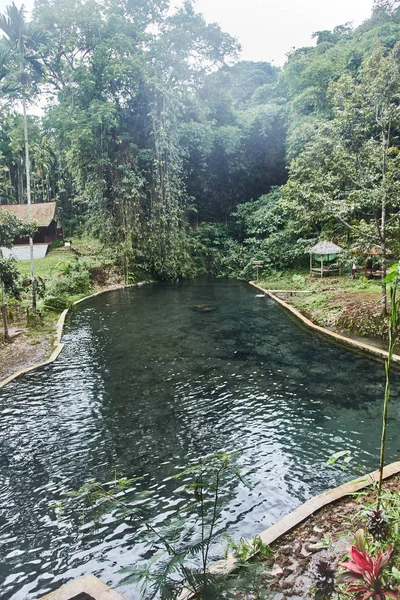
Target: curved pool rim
point(59, 345)
point(333, 336)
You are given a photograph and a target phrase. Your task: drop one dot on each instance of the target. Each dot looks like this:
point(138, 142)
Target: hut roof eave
point(43, 213)
point(325, 248)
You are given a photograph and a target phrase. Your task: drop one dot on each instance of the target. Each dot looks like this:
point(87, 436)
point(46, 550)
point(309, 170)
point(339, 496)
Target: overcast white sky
point(268, 29)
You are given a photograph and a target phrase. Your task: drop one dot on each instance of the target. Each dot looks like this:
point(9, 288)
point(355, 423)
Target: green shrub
point(208, 246)
point(56, 244)
point(57, 302)
point(75, 279)
point(299, 281)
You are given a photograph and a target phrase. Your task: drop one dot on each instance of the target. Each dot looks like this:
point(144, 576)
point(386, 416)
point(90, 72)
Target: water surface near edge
point(147, 383)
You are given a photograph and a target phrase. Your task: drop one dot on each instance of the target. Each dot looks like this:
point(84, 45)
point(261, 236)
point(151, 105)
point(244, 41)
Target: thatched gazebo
point(324, 252)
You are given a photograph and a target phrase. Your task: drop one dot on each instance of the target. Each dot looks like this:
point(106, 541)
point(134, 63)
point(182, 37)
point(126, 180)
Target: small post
point(258, 264)
point(322, 267)
point(310, 263)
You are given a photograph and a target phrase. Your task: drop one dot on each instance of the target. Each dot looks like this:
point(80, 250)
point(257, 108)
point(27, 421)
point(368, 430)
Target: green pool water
point(148, 383)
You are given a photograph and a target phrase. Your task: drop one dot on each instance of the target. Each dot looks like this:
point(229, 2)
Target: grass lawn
point(51, 265)
point(57, 259)
point(302, 280)
point(341, 303)
point(53, 269)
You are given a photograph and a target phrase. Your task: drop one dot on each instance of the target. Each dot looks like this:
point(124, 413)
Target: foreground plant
point(378, 525)
point(325, 581)
point(251, 581)
point(180, 551)
point(364, 574)
point(393, 322)
point(244, 549)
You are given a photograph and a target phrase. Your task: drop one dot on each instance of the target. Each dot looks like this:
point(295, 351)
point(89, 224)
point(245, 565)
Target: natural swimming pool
point(147, 383)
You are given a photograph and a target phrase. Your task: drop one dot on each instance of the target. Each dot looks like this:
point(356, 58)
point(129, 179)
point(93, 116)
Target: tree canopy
point(156, 138)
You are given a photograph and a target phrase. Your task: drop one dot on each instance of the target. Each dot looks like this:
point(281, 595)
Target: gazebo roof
point(325, 248)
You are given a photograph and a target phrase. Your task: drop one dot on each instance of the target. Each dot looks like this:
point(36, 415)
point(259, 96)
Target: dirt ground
point(24, 350)
point(323, 536)
point(29, 346)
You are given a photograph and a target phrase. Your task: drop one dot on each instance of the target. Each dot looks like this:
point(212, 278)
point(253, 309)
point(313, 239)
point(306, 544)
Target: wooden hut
point(324, 253)
point(372, 261)
point(43, 215)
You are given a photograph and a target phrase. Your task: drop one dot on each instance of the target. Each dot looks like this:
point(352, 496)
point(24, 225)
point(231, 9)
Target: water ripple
point(147, 385)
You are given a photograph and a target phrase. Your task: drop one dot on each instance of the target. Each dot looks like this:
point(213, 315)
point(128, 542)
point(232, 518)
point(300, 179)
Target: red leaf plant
point(364, 573)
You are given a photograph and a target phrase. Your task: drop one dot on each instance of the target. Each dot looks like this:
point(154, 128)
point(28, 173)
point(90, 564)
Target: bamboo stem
point(392, 343)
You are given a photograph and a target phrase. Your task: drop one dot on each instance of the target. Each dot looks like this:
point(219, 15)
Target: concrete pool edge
point(362, 346)
point(301, 514)
point(90, 585)
point(57, 343)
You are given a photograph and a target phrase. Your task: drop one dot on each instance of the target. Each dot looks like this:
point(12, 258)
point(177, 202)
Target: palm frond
point(35, 65)
point(4, 60)
point(5, 27)
point(13, 22)
point(10, 89)
point(35, 37)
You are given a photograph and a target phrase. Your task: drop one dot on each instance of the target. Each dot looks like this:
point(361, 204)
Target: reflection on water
point(146, 384)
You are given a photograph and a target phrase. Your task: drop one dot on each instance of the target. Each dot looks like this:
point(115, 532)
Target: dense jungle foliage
point(158, 140)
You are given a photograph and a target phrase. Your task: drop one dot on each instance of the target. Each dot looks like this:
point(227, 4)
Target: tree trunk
point(20, 181)
point(28, 196)
point(4, 312)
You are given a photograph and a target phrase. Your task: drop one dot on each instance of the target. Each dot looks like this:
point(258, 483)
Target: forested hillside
point(157, 139)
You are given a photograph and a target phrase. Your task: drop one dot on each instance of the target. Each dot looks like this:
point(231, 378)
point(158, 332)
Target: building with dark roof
point(43, 214)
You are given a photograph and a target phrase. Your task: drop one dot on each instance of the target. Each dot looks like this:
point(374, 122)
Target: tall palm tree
point(4, 306)
point(23, 41)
